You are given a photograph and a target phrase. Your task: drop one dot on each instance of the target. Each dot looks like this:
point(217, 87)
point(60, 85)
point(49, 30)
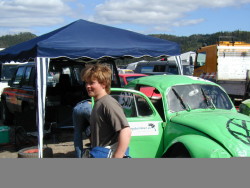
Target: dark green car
point(182, 116)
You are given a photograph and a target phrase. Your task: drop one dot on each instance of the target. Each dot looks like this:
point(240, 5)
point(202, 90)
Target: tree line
point(187, 43)
point(193, 42)
point(11, 40)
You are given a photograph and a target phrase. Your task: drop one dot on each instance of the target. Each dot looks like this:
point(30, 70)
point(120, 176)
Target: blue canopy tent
point(82, 39)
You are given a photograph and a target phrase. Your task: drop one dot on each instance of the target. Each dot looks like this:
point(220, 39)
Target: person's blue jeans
point(81, 115)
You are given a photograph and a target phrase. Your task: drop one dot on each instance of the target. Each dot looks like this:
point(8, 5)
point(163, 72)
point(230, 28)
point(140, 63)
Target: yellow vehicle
point(227, 63)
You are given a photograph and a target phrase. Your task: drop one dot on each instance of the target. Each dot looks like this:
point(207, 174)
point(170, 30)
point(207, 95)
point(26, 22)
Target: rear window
point(159, 68)
point(147, 69)
point(172, 70)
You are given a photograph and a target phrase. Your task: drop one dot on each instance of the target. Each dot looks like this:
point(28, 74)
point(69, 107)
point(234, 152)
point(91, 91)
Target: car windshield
point(197, 96)
point(8, 71)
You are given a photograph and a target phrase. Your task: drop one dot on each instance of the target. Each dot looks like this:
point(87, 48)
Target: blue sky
point(175, 17)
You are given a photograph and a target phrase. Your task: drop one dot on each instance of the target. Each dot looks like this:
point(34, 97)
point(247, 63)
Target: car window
point(201, 59)
point(197, 96)
point(155, 97)
point(147, 69)
point(8, 71)
point(29, 77)
point(159, 68)
point(73, 74)
point(172, 70)
point(133, 105)
point(19, 75)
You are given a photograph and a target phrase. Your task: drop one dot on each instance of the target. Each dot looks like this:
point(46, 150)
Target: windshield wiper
point(209, 101)
point(184, 105)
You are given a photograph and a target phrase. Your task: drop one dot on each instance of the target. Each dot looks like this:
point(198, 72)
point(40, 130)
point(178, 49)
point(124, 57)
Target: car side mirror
point(10, 82)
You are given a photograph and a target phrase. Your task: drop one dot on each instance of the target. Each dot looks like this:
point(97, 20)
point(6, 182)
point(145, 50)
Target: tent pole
point(42, 65)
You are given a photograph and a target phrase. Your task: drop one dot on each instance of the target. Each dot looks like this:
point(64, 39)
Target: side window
point(172, 69)
point(159, 68)
point(32, 79)
point(133, 105)
point(155, 96)
point(19, 75)
point(201, 59)
point(28, 79)
point(147, 69)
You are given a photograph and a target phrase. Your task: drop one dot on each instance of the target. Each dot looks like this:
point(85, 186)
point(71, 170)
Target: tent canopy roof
point(87, 39)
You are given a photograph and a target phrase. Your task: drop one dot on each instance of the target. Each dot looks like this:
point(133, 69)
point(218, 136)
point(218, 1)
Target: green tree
point(193, 42)
point(10, 40)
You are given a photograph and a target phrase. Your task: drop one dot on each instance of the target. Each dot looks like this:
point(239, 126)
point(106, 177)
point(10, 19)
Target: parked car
point(158, 68)
point(64, 90)
point(193, 118)
point(244, 107)
point(132, 66)
point(6, 73)
point(126, 78)
point(125, 71)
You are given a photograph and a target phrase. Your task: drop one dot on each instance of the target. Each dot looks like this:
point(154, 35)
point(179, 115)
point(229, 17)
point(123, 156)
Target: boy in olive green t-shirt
point(109, 126)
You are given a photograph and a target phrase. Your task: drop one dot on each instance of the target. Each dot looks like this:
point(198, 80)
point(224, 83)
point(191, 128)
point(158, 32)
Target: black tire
point(7, 117)
point(177, 151)
point(32, 152)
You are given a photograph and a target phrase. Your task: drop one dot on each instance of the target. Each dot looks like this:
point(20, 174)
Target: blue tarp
point(87, 39)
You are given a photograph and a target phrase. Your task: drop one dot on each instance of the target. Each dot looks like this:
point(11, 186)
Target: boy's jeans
point(81, 115)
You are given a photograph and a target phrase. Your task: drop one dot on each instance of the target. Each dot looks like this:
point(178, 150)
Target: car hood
point(229, 129)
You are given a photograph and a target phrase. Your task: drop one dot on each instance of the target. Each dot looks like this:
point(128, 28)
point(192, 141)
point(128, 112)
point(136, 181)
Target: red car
point(125, 78)
point(148, 91)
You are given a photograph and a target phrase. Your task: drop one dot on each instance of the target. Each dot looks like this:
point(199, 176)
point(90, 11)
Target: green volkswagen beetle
point(174, 116)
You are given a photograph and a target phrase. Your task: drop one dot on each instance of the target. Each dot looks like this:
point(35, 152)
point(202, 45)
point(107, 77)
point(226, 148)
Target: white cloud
point(153, 16)
point(27, 13)
point(159, 13)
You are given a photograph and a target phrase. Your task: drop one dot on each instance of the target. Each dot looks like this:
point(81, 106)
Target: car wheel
point(7, 117)
point(182, 155)
point(178, 151)
point(32, 152)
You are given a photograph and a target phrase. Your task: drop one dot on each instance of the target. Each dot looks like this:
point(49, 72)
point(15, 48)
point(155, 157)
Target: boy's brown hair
point(100, 72)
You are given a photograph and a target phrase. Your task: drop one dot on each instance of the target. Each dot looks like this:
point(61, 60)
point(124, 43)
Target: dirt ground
point(61, 143)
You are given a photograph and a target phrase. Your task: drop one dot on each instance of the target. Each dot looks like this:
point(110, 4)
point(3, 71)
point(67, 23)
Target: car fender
point(198, 146)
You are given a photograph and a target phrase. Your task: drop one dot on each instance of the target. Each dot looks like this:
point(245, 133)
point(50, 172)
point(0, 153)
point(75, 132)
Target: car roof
point(164, 81)
point(26, 64)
